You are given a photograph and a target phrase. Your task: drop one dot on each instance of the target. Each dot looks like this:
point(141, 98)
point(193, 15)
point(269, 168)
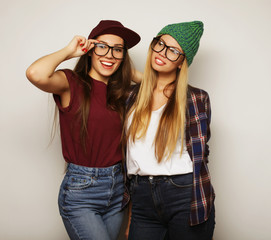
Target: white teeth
point(159, 61)
point(107, 63)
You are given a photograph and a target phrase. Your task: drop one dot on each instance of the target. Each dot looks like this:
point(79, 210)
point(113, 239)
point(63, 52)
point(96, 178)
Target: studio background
point(232, 65)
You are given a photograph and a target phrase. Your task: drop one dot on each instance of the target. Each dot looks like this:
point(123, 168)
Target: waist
point(160, 178)
point(93, 171)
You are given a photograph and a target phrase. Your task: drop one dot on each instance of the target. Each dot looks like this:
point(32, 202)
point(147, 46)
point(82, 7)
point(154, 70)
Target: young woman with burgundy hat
point(91, 101)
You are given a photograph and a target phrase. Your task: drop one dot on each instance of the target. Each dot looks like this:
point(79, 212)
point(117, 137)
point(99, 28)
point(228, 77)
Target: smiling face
point(161, 63)
point(102, 67)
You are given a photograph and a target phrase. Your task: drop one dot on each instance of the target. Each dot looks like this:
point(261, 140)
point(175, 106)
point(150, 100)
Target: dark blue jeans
point(90, 202)
point(161, 209)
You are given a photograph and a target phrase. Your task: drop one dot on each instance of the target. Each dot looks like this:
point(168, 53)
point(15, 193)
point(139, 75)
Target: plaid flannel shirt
point(198, 117)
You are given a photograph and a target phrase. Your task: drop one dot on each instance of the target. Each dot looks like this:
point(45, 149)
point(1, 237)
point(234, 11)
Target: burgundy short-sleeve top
point(103, 148)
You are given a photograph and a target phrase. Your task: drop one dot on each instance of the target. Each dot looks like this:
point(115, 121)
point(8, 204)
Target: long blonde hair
point(172, 122)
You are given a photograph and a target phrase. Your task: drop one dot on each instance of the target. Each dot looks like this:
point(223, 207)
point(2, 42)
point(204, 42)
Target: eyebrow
point(115, 45)
point(172, 46)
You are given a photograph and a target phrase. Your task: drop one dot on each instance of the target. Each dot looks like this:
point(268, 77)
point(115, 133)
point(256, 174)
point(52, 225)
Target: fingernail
point(81, 44)
point(83, 49)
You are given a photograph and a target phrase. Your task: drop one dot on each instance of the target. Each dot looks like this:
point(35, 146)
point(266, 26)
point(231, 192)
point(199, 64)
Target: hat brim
point(130, 37)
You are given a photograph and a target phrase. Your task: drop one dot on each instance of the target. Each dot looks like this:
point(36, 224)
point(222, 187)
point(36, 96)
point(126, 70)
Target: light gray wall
point(233, 65)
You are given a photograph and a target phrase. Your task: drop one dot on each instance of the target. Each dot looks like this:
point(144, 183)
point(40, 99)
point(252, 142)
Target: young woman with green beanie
point(167, 131)
point(91, 100)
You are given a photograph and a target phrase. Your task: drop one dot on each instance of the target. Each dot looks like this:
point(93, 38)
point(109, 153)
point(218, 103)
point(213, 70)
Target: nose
point(110, 53)
point(163, 52)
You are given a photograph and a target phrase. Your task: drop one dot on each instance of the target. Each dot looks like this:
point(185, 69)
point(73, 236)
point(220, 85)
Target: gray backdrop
point(233, 65)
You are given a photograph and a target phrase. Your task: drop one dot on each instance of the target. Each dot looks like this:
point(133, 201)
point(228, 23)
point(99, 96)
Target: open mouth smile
point(107, 65)
point(159, 62)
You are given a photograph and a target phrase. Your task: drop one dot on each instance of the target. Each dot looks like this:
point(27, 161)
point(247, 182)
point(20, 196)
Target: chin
point(156, 68)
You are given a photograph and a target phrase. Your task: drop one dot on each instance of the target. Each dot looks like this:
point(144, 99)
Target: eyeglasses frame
point(109, 47)
point(167, 47)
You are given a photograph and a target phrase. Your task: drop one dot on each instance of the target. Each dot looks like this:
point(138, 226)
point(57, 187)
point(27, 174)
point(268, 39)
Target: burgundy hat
point(130, 37)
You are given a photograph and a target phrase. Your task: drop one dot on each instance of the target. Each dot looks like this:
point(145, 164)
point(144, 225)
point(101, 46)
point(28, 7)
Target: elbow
point(32, 75)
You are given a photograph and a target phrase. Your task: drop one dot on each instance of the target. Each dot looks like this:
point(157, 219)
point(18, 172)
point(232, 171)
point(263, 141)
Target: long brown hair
point(172, 122)
point(117, 89)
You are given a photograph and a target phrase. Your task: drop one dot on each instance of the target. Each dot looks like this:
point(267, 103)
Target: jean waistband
point(90, 171)
point(138, 178)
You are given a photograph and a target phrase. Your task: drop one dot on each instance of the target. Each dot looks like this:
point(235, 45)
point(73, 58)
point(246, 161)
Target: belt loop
point(96, 172)
point(136, 179)
point(115, 169)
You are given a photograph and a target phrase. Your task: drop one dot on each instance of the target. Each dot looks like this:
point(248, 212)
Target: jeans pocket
point(182, 181)
point(78, 182)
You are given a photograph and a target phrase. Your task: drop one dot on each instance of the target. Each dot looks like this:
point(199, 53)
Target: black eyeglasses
point(171, 53)
point(101, 49)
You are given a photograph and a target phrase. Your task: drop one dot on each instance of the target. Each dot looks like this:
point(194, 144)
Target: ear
point(180, 66)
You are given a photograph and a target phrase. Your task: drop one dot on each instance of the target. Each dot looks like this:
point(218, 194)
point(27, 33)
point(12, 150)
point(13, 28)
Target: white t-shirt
point(141, 158)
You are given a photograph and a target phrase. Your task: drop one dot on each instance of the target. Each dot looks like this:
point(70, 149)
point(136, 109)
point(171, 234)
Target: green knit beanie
point(187, 34)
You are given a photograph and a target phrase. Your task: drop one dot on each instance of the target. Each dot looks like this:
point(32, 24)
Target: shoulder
point(75, 84)
point(133, 91)
point(197, 93)
point(72, 77)
point(69, 73)
point(134, 87)
point(198, 100)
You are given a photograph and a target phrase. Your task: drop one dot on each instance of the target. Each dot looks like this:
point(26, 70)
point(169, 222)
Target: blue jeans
point(90, 202)
point(161, 209)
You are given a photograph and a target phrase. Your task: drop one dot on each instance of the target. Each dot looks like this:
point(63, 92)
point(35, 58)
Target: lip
point(159, 62)
point(107, 64)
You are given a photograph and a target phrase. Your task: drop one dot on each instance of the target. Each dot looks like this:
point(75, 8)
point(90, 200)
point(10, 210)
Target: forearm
point(137, 76)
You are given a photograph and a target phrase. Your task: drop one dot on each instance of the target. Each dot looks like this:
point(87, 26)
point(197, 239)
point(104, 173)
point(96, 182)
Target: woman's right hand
point(79, 46)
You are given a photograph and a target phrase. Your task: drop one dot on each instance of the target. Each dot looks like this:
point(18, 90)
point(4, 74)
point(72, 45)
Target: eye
point(118, 49)
point(174, 51)
point(161, 43)
point(101, 46)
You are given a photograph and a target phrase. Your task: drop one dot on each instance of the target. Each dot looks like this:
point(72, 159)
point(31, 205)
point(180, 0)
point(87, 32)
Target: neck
point(98, 77)
point(164, 79)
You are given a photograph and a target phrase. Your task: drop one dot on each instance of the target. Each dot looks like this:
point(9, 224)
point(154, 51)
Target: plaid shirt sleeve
point(198, 120)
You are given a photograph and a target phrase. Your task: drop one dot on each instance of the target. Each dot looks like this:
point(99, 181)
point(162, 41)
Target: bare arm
point(42, 72)
point(137, 76)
